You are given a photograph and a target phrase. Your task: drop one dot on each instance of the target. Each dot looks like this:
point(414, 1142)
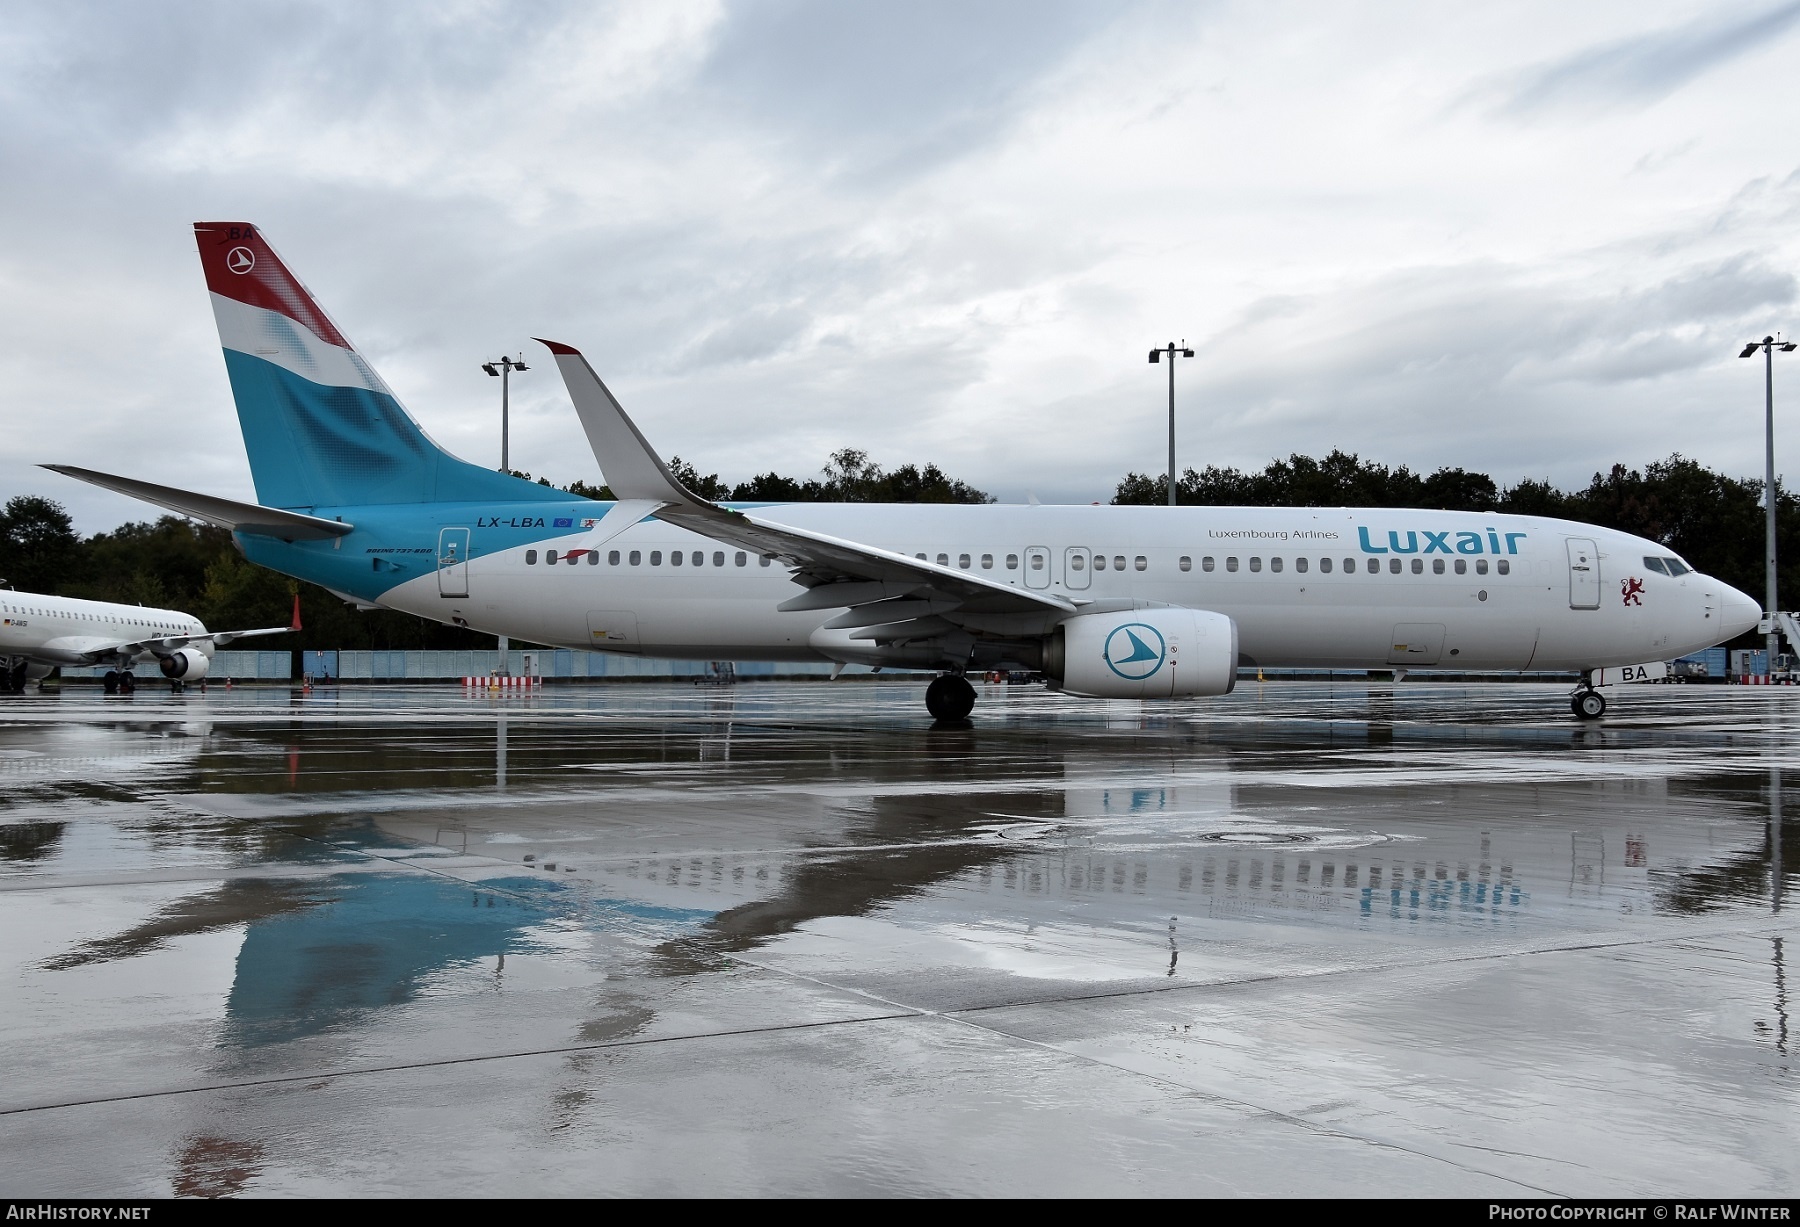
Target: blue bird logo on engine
point(1135, 651)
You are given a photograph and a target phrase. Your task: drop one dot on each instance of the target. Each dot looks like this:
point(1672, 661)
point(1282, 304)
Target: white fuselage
point(1307, 587)
point(61, 630)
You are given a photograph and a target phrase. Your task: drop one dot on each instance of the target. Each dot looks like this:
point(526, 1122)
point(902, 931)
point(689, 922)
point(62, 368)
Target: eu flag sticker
point(564, 522)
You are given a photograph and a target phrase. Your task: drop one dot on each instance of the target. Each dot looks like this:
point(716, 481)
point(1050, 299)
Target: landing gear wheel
point(127, 683)
point(15, 679)
point(110, 683)
point(950, 697)
point(1587, 704)
point(176, 686)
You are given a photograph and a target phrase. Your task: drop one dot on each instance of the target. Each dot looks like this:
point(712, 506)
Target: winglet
point(630, 465)
point(296, 625)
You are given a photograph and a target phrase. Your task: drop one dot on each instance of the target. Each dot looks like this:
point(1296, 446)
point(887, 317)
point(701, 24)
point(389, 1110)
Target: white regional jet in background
point(1125, 602)
point(38, 633)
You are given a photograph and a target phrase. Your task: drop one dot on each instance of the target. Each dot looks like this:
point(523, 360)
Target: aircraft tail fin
point(320, 426)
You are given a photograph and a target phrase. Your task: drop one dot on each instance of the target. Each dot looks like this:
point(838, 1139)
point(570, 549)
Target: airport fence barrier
point(547, 664)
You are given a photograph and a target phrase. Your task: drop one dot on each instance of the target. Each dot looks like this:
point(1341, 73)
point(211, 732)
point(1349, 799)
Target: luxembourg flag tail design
point(321, 428)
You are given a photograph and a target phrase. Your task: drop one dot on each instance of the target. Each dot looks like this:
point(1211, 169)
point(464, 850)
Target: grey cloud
point(1644, 68)
point(874, 87)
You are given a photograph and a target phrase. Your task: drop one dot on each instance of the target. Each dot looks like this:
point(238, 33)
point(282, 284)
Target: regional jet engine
point(184, 665)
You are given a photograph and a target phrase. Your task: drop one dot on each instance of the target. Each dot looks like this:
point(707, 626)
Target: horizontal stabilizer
point(226, 513)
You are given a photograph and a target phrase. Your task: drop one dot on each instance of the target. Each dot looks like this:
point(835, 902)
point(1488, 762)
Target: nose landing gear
point(1587, 703)
point(950, 697)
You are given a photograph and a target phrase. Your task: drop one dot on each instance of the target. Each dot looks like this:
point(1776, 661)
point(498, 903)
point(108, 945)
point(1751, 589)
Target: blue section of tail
point(315, 446)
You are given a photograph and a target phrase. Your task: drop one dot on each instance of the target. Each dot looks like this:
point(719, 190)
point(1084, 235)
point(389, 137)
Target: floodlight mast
point(504, 367)
point(1172, 349)
point(1772, 637)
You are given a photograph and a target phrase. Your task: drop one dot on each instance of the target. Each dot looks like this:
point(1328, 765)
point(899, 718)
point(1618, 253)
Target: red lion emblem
point(1631, 591)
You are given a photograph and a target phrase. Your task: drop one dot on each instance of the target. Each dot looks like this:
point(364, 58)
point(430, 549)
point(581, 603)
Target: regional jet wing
point(889, 595)
point(226, 513)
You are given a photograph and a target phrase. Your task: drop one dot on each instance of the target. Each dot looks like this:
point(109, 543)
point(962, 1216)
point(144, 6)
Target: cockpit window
point(1676, 566)
point(1654, 564)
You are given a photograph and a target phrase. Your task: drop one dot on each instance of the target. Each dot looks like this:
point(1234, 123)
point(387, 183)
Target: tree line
point(1712, 520)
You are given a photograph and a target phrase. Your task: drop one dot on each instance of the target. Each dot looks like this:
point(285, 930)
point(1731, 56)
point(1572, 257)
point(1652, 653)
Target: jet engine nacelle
point(184, 665)
point(1145, 654)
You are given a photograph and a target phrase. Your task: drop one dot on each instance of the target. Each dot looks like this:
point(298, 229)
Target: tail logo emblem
point(1129, 652)
point(240, 259)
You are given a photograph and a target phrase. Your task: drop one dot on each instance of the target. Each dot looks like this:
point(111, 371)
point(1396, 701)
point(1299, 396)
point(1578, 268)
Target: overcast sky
point(1525, 238)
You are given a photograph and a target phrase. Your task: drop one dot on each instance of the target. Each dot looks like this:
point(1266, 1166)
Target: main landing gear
point(950, 698)
point(118, 682)
point(1587, 703)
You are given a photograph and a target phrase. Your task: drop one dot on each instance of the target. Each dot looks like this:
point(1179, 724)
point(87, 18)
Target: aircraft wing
point(227, 513)
point(888, 596)
point(163, 645)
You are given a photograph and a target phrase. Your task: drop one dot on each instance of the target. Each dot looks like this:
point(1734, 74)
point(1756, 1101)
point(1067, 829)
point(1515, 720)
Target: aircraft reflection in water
point(323, 950)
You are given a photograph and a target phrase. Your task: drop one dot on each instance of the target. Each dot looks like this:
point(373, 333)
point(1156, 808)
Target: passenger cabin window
point(1275, 564)
point(1481, 566)
point(1437, 566)
point(549, 555)
point(637, 557)
point(1012, 562)
point(1393, 566)
point(656, 558)
point(594, 558)
point(1462, 566)
point(531, 558)
point(1503, 566)
point(674, 558)
point(1375, 566)
point(1186, 563)
point(765, 560)
point(1418, 566)
point(1231, 562)
point(1075, 563)
point(943, 560)
point(1325, 566)
point(1037, 562)
point(1100, 562)
point(699, 558)
point(962, 560)
point(1140, 562)
point(920, 557)
point(718, 558)
point(1300, 565)
point(742, 558)
point(1655, 564)
point(1255, 564)
point(1206, 563)
point(987, 562)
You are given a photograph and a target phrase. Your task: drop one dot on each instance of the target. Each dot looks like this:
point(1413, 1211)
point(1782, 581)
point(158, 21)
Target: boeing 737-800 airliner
point(1127, 602)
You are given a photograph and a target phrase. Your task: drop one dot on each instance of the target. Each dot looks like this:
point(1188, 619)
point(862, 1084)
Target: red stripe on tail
point(240, 264)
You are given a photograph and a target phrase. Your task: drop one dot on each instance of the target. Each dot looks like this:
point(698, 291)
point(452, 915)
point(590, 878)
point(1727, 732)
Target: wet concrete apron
point(791, 939)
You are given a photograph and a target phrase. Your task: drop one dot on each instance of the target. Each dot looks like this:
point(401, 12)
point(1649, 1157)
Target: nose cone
point(1737, 613)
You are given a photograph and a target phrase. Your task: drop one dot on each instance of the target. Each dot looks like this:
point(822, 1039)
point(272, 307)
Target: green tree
point(39, 550)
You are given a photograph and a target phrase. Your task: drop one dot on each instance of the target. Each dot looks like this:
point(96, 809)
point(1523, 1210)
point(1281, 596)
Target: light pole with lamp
point(503, 367)
point(1171, 349)
point(1772, 640)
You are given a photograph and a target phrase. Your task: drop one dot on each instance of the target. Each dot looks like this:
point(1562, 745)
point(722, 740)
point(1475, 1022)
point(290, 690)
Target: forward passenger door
point(1584, 574)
